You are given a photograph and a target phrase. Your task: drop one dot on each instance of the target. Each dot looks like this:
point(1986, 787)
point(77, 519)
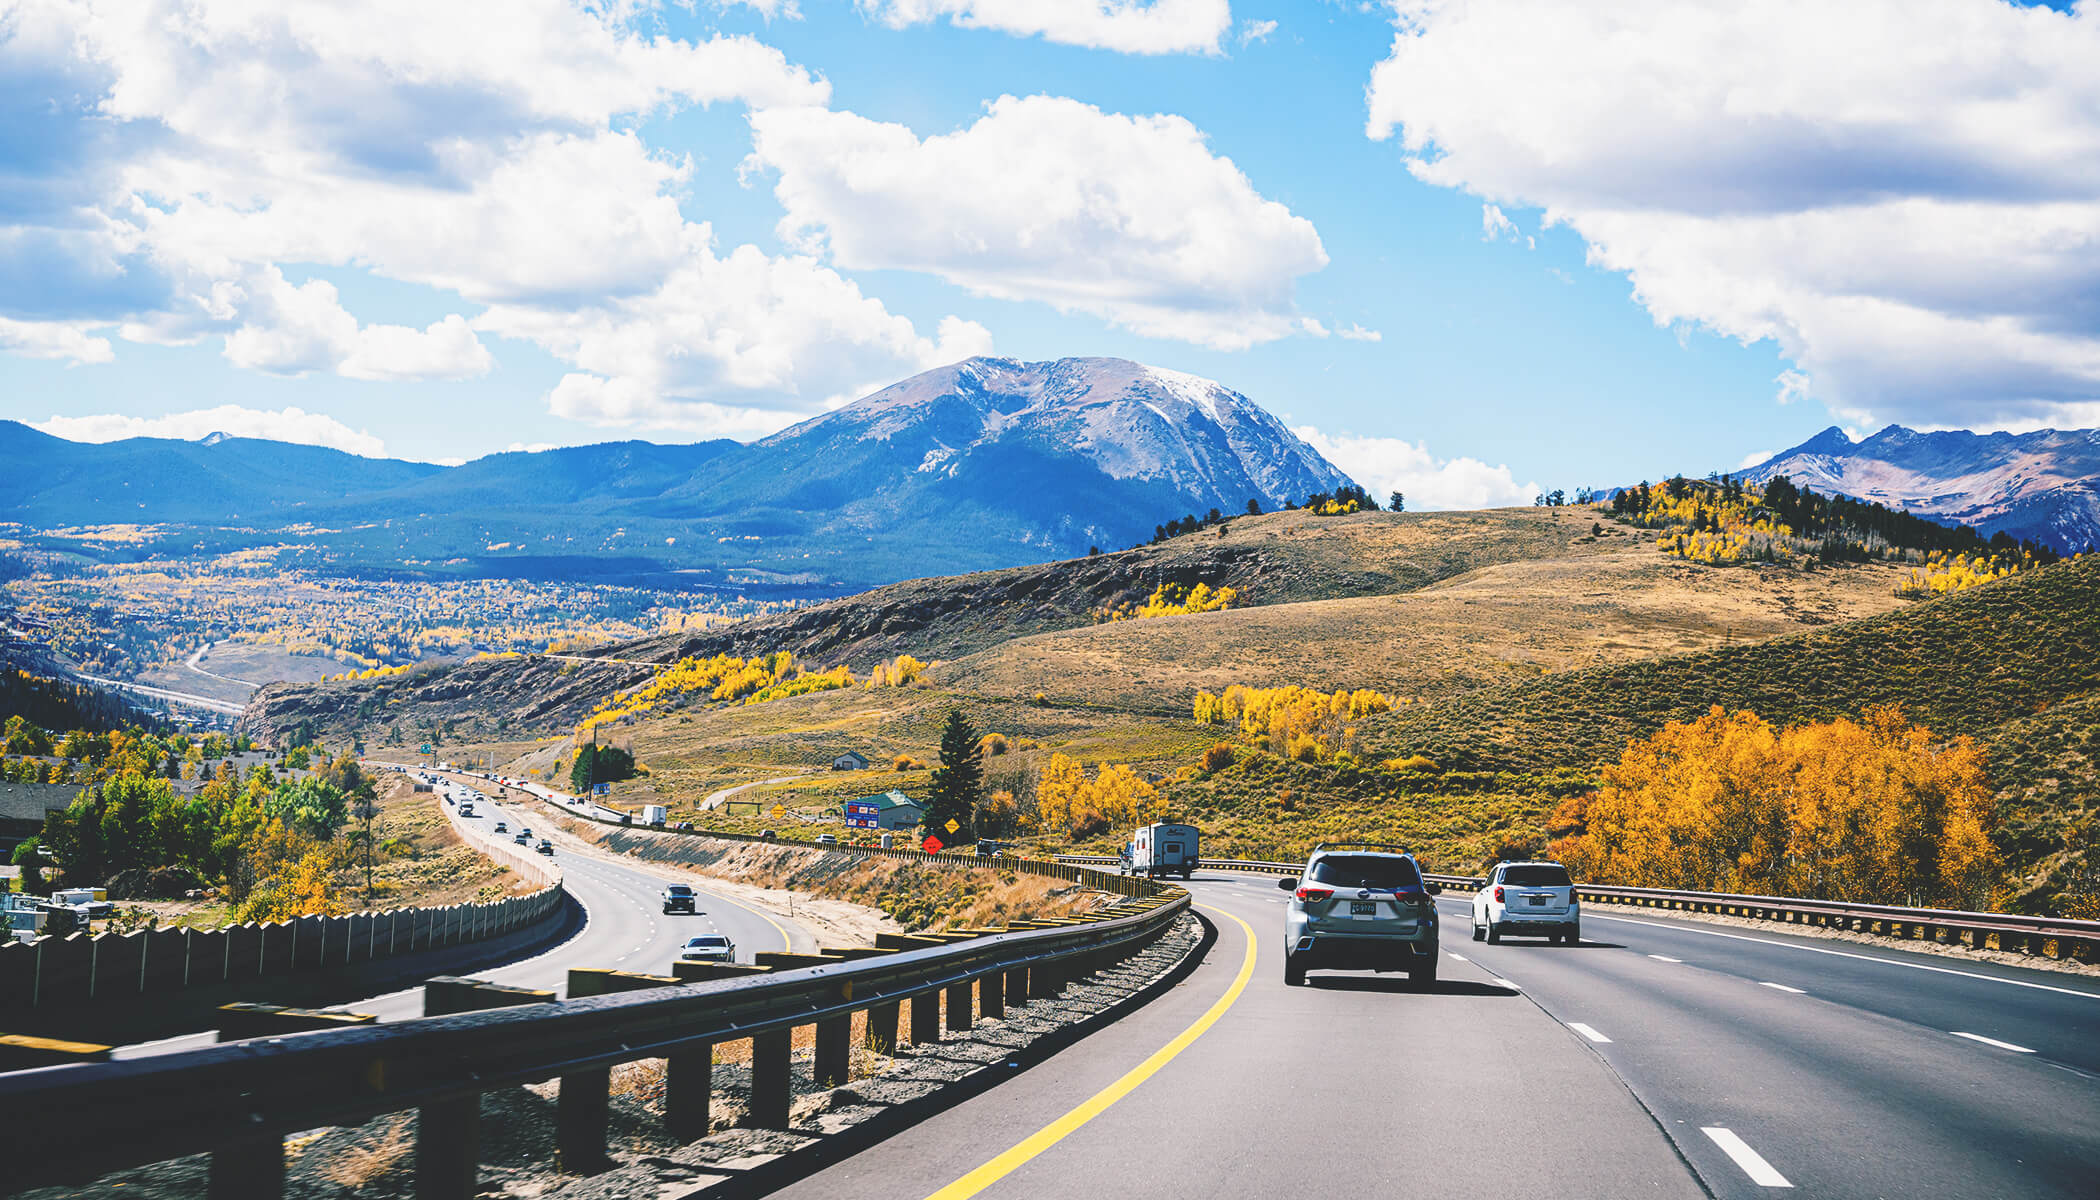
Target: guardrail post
point(959, 1007)
point(991, 994)
point(770, 1064)
point(834, 1050)
point(1017, 986)
point(1045, 980)
point(926, 1018)
point(448, 1149)
point(448, 1132)
point(252, 1170)
point(580, 1113)
point(881, 1033)
point(689, 1084)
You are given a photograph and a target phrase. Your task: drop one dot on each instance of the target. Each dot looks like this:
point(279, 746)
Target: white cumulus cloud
point(1903, 195)
point(490, 150)
point(1132, 219)
point(1386, 465)
point(1128, 26)
point(280, 425)
point(735, 346)
point(1255, 31)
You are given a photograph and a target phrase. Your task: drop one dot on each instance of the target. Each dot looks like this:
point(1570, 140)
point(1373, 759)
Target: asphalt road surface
point(1657, 1059)
point(625, 926)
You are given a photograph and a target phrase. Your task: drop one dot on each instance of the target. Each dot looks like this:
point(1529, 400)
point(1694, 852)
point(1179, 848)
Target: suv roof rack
point(1362, 846)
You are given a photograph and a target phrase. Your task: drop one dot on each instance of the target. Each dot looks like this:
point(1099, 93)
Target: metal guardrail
point(1055, 868)
point(2049, 937)
point(239, 1100)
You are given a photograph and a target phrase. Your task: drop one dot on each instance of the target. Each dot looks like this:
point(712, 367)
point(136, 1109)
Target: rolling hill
point(1527, 645)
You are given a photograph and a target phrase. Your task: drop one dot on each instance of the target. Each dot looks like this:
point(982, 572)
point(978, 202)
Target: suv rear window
point(679, 889)
point(1547, 875)
point(1366, 871)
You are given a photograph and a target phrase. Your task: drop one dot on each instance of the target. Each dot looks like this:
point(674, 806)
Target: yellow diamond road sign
point(952, 826)
point(780, 810)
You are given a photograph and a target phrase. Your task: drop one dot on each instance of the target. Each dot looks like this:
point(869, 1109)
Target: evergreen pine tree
point(957, 789)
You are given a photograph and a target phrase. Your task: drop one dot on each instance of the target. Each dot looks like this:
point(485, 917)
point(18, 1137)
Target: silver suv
point(1361, 906)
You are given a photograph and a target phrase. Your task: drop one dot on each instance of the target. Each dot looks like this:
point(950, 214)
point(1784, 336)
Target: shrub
point(1218, 757)
point(992, 744)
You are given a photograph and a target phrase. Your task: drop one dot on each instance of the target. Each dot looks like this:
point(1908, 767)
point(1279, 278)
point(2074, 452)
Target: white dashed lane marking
point(1780, 987)
point(1977, 1037)
point(1753, 1164)
point(1665, 958)
point(1588, 1032)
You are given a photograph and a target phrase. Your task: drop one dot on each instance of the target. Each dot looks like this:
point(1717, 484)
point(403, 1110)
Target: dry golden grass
point(1614, 599)
point(361, 1165)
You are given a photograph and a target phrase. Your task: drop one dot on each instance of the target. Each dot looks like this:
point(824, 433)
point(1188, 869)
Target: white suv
point(1532, 898)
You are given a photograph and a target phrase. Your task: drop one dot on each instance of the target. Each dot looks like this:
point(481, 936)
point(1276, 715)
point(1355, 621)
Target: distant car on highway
point(827, 839)
point(680, 898)
point(502, 827)
point(708, 947)
point(1535, 899)
point(545, 847)
point(1360, 906)
point(524, 836)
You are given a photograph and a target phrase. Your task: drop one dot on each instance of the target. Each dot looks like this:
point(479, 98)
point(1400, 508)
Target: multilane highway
point(1659, 1058)
point(625, 927)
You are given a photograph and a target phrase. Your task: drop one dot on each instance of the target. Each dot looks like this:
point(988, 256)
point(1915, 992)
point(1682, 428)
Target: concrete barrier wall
point(78, 970)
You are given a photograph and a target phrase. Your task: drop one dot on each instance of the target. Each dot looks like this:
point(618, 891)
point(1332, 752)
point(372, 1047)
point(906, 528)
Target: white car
point(708, 947)
point(1528, 898)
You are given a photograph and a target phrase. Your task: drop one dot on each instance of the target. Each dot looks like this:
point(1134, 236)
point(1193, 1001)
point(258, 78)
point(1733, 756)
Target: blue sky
point(1594, 243)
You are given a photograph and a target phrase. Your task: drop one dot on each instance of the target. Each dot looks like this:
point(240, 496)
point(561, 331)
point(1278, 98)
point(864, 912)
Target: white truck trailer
point(655, 814)
point(1163, 849)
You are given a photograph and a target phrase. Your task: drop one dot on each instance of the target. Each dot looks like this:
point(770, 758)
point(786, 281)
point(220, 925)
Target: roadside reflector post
point(991, 994)
point(689, 1084)
point(959, 1000)
point(881, 1032)
point(770, 1063)
point(250, 1170)
point(926, 1018)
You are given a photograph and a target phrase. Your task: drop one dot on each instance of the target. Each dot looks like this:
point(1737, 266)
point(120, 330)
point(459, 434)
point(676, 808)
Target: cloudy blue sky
point(1469, 248)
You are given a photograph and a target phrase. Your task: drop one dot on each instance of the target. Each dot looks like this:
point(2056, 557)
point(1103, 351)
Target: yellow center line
point(1056, 1131)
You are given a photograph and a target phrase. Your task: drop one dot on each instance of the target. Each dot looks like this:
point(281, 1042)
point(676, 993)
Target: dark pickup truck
point(680, 898)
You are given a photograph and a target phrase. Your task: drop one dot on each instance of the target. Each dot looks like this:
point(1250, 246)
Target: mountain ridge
point(980, 464)
point(2043, 485)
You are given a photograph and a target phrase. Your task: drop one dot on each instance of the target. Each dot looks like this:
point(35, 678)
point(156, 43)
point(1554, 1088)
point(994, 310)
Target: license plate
point(1539, 900)
point(1363, 908)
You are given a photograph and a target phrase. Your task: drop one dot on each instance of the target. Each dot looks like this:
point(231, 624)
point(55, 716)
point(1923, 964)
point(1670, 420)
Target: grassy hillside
point(2014, 664)
point(1527, 647)
point(1575, 600)
point(1966, 663)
